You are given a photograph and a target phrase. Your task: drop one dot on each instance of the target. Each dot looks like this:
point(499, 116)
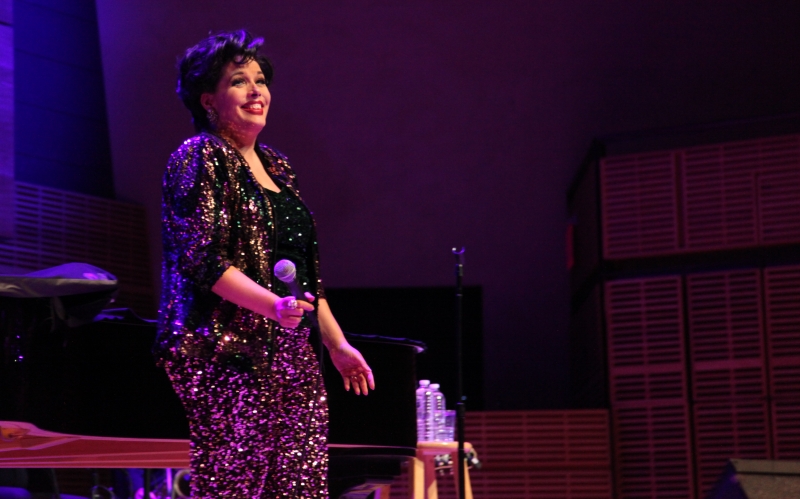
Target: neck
point(244, 143)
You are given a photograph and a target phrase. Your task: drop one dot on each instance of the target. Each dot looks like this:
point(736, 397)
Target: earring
point(212, 116)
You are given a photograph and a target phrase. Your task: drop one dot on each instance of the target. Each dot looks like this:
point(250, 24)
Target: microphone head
point(285, 271)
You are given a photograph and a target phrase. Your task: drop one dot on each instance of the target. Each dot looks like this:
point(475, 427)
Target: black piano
point(69, 366)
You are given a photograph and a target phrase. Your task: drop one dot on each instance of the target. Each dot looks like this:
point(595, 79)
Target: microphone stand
point(460, 411)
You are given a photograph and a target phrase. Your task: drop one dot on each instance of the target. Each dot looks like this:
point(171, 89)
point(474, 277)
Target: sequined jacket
point(215, 215)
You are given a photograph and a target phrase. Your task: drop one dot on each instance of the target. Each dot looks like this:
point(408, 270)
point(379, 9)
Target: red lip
point(251, 110)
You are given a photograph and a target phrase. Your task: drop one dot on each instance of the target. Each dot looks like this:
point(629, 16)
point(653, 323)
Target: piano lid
point(23, 445)
point(100, 380)
point(63, 280)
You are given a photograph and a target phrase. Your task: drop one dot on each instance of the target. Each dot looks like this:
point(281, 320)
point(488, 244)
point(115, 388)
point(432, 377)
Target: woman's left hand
point(353, 368)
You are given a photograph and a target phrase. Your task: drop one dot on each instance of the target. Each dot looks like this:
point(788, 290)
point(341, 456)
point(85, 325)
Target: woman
point(232, 339)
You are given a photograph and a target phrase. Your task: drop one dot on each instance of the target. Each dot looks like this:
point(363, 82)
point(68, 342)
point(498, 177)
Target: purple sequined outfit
point(251, 389)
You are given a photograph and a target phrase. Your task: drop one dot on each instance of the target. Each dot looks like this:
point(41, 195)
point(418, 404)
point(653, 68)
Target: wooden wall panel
point(575, 439)
point(534, 455)
point(639, 205)
point(54, 227)
point(735, 194)
point(645, 327)
point(5, 12)
point(782, 290)
point(726, 335)
point(60, 37)
point(703, 365)
point(706, 198)
point(645, 323)
point(649, 387)
point(786, 429)
point(725, 429)
point(779, 206)
point(6, 120)
point(654, 457)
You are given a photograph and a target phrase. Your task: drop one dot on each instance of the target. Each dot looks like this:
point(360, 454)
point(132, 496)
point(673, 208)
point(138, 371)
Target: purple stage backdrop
point(417, 126)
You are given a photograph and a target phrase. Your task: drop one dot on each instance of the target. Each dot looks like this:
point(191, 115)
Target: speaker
point(758, 479)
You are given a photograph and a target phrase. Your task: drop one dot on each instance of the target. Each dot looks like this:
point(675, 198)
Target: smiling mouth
point(254, 108)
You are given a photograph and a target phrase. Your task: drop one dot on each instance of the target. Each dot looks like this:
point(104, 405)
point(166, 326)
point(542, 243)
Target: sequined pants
point(255, 432)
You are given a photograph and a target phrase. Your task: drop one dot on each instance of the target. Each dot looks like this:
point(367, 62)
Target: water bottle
point(423, 410)
point(437, 399)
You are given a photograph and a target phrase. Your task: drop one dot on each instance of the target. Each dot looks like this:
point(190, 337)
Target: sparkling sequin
point(214, 215)
point(252, 390)
point(256, 432)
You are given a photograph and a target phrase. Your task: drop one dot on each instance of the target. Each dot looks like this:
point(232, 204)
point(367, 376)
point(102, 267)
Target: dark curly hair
point(200, 68)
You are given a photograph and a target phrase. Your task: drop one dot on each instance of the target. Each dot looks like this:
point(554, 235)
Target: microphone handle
point(316, 340)
point(298, 293)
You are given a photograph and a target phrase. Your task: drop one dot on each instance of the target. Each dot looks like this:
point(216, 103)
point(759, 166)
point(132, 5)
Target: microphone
point(286, 272)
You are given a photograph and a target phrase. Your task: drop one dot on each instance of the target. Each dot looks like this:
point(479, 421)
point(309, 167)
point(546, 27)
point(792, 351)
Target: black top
point(294, 238)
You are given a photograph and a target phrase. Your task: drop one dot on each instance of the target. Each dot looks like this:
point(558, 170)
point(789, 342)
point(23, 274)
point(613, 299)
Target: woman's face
point(241, 100)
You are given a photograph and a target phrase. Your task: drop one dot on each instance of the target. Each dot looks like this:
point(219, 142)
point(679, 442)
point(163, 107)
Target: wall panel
point(55, 227)
point(725, 429)
point(654, 455)
point(649, 393)
point(644, 320)
point(782, 290)
point(779, 206)
point(734, 193)
point(700, 323)
point(726, 335)
point(534, 455)
point(5, 12)
point(61, 138)
point(639, 205)
point(6, 120)
point(786, 429)
point(707, 198)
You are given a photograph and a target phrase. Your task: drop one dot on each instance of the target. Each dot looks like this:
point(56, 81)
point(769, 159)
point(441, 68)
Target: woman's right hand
point(289, 311)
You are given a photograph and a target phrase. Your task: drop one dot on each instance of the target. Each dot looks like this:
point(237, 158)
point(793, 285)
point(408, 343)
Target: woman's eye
point(261, 81)
point(237, 82)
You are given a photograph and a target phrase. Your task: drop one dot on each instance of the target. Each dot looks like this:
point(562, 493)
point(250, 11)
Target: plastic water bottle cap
point(435, 386)
point(424, 382)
